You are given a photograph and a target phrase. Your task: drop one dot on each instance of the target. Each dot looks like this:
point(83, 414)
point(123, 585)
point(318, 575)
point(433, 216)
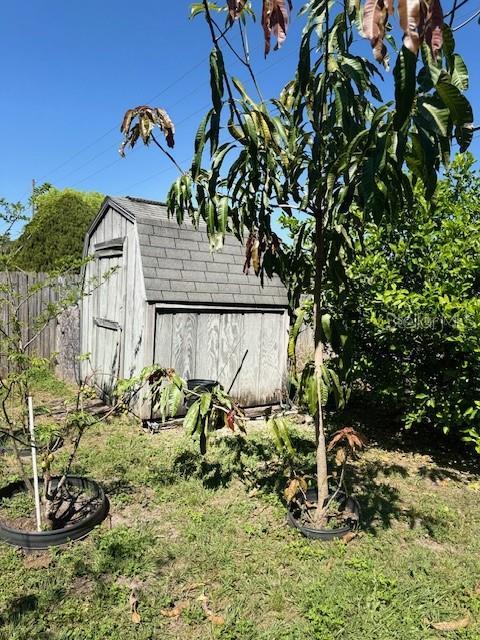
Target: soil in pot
point(73, 504)
point(341, 516)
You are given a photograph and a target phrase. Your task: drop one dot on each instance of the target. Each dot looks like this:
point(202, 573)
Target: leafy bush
point(54, 236)
point(413, 308)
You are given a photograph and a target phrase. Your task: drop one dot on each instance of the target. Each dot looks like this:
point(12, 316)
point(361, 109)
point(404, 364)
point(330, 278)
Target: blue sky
point(70, 70)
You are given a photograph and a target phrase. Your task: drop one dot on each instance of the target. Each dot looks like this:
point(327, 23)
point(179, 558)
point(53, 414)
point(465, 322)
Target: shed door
point(108, 341)
point(244, 351)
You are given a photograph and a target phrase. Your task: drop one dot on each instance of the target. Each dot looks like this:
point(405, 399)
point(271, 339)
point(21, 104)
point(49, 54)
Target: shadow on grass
point(18, 609)
point(383, 428)
point(256, 463)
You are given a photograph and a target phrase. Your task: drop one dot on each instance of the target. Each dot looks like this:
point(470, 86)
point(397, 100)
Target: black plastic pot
point(35, 540)
point(347, 503)
point(200, 386)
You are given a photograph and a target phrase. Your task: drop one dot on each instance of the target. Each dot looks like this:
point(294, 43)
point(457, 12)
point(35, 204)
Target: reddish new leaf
point(230, 420)
point(433, 28)
point(349, 436)
point(275, 21)
point(375, 19)
point(412, 21)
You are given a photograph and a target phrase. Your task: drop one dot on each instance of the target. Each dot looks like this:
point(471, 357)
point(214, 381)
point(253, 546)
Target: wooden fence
point(38, 302)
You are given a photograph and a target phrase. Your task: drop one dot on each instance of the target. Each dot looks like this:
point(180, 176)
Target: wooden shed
point(158, 295)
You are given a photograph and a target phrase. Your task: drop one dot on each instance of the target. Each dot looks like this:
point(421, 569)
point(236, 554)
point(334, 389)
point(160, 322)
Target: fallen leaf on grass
point(136, 617)
point(477, 588)
point(214, 619)
point(175, 611)
point(134, 608)
point(451, 625)
point(348, 537)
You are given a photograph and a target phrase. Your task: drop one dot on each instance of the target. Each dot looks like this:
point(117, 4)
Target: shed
point(157, 295)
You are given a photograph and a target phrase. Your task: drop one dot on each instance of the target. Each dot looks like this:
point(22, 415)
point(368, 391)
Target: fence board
point(17, 292)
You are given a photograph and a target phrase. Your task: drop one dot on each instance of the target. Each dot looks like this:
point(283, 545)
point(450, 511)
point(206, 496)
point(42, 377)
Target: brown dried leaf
point(165, 122)
point(235, 8)
point(294, 486)
point(256, 256)
point(340, 456)
point(134, 607)
point(275, 21)
point(175, 611)
point(451, 625)
point(253, 254)
point(214, 619)
point(127, 120)
point(136, 617)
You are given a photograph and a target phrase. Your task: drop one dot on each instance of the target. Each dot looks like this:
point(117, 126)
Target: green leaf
point(281, 435)
point(459, 107)
point(200, 140)
point(242, 91)
point(205, 403)
point(304, 63)
point(459, 73)
point(217, 74)
point(191, 420)
point(294, 332)
point(436, 112)
point(222, 214)
point(464, 136)
point(405, 83)
point(326, 321)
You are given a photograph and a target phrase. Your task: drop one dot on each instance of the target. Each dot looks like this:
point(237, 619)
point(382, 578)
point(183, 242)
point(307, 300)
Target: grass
point(183, 529)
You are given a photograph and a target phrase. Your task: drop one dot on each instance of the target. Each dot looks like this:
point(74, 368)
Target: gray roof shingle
point(178, 265)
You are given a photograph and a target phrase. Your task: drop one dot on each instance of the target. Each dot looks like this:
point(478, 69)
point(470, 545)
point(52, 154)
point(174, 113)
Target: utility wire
point(463, 24)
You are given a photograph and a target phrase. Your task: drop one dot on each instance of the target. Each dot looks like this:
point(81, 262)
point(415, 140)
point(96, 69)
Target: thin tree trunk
point(321, 453)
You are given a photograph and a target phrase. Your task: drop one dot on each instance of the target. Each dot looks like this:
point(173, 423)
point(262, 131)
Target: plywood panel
point(184, 343)
point(250, 353)
point(269, 388)
point(208, 338)
point(248, 347)
point(163, 340)
point(229, 358)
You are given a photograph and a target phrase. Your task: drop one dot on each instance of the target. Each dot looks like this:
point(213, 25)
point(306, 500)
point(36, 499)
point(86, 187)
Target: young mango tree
point(329, 153)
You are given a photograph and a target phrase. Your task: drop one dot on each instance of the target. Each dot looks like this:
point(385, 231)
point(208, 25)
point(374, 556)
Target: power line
point(191, 115)
point(107, 133)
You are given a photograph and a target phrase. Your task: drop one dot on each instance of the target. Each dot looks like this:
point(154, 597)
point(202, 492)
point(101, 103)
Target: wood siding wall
point(246, 348)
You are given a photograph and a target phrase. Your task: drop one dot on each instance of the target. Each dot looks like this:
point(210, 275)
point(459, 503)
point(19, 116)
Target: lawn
point(206, 539)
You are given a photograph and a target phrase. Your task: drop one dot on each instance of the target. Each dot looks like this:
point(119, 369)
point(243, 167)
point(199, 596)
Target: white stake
point(34, 463)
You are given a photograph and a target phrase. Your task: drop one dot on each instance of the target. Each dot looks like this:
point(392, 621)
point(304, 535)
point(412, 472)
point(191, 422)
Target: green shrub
point(413, 308)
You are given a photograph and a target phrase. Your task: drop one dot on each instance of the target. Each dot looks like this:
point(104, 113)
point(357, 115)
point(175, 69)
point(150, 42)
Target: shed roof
point(178, 265)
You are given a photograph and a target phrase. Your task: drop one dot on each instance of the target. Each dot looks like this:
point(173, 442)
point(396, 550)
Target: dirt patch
point(432, 545)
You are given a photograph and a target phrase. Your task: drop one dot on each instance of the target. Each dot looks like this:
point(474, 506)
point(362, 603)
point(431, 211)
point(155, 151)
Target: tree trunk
point(321, 453)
